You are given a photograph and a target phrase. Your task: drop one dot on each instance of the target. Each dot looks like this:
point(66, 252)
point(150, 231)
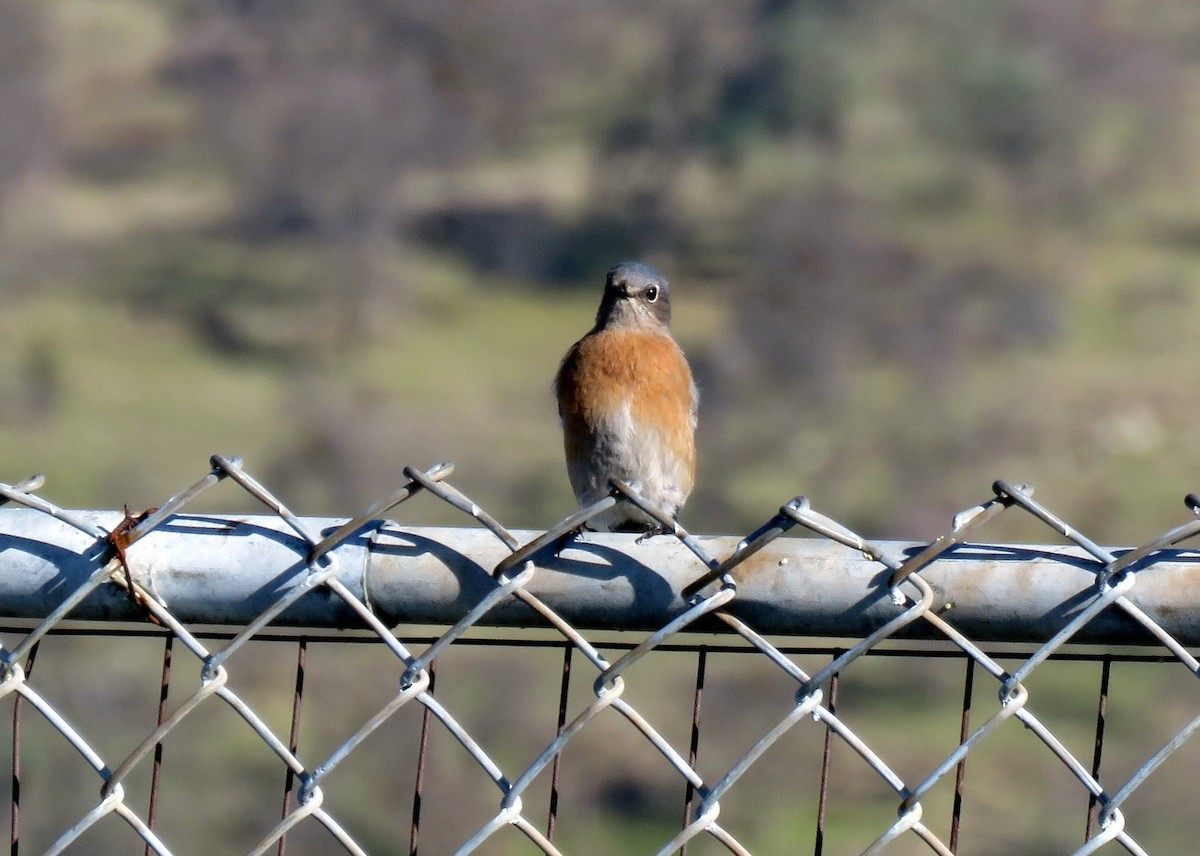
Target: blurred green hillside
point(917, 246)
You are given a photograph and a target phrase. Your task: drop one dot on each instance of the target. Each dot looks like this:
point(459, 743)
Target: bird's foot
point(651, 532)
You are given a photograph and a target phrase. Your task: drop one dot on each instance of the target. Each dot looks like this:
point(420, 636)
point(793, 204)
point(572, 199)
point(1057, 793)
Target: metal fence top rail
point(225, 570)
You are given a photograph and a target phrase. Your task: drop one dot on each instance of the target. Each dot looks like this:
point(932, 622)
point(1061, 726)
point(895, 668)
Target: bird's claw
point(651, 532)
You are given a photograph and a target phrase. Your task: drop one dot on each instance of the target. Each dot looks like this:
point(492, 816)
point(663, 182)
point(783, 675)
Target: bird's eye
point(652, 294)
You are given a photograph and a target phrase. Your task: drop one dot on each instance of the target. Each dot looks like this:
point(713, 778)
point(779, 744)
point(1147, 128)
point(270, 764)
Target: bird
point(627, 402)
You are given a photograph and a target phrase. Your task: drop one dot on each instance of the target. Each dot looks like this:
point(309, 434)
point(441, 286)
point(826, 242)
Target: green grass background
point(116, 238)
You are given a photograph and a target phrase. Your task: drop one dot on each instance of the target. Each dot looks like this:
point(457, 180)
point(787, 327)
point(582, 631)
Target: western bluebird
point(627, 402)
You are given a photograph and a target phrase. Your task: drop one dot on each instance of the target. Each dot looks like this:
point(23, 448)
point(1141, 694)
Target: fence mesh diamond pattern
point(319, 556)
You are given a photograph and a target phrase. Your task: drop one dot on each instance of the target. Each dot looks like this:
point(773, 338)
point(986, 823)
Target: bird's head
point(636, 297)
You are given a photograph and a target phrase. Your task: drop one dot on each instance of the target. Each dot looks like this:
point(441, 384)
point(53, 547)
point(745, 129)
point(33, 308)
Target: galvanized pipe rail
point(225, 570)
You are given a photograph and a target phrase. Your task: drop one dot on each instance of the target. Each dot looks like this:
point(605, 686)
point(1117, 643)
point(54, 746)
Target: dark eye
point(652, 294)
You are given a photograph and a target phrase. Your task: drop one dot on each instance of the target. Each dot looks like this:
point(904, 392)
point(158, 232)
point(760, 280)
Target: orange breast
point(606, 369)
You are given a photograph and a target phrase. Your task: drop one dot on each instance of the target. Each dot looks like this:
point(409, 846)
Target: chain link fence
point(955, 622)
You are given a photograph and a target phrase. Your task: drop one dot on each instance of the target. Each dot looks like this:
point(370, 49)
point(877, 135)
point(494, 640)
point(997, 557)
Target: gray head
point(636, 297)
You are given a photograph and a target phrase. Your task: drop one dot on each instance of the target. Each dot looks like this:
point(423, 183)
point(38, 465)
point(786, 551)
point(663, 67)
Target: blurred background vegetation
point(915, 245)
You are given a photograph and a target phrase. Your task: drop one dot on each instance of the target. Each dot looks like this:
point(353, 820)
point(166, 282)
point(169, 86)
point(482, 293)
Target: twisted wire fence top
point(182, 572)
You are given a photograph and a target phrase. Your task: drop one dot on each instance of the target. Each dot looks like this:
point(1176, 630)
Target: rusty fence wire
point(237, 621)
